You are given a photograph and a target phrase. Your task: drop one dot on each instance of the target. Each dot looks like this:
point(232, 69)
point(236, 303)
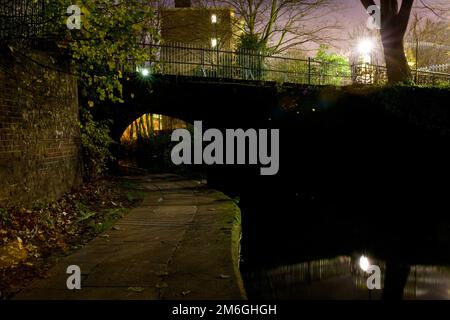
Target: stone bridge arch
point(217, 104)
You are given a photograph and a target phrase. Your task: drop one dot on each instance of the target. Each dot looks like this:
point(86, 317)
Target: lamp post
point(417, 59)
point(365, 48)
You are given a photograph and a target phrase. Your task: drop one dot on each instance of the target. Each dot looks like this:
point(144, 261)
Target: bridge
point(197, 61)
point(233, 88)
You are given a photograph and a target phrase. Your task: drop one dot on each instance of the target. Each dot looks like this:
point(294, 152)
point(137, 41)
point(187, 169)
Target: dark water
point(303, 247)
point(307, 245)
point(341, 278)
point(350, 184)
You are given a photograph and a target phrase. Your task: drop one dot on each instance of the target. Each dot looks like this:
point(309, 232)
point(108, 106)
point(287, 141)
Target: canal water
point(309, 246)
point(341, 277)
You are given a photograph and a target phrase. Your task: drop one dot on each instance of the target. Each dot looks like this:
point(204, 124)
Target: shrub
point(95, 141)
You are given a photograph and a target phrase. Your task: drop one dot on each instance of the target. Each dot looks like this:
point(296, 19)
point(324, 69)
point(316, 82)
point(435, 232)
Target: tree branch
point(368, 3)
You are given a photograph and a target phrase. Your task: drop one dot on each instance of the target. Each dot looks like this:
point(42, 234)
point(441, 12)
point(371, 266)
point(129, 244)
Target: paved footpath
point(181, 243)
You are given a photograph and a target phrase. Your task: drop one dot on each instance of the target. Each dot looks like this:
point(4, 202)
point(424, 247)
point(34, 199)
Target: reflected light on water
point(364, 263)
point(342, 277)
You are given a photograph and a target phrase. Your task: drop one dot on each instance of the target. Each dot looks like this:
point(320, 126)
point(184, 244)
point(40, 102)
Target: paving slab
point(181, 243)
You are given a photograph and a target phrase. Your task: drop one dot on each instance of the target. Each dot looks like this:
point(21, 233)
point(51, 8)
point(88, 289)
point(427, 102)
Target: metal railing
point(21, 18)
point(28, 21)
point(197, 61)
point(443, 68)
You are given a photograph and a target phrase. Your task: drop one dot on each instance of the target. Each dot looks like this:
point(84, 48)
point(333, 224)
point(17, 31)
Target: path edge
point(236, 236)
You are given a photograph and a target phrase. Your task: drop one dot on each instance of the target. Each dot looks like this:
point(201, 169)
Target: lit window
point(214, 18)
point(213, 42)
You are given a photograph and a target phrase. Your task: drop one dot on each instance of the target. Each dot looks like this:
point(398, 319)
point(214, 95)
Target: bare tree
point(394, 24)
point(160, 6)
point(279, 25)
point(428, 43)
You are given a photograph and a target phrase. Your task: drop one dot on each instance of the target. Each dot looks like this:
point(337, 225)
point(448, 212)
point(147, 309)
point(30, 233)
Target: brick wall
point(39, 134)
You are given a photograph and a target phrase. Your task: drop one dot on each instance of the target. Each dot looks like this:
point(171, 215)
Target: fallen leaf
point(162, 285)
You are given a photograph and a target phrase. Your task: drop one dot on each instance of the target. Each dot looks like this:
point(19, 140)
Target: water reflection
point(343, 277)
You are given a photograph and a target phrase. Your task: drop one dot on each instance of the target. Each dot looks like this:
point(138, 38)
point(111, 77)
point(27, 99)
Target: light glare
point(364, 263)
point(145, 72)
point(365, 46)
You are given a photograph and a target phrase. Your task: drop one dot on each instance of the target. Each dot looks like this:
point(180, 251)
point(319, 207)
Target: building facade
point(214, 28)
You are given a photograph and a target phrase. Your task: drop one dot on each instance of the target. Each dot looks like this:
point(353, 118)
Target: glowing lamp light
point(364, 263)
point(145, 72)
point(365, 46)
point(213, 18)
point(214, 43)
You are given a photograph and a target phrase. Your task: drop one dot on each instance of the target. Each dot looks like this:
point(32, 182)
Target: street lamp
point(214, 43)
point(365, 48)
point(145, 72)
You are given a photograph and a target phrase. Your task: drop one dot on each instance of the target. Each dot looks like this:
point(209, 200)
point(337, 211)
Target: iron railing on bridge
point(28, 21)
point(373, 74)
point(197, 61)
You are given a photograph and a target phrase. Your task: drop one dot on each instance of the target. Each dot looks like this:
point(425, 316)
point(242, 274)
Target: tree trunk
point(394, 23)
point(396, 63)
point(149, 127)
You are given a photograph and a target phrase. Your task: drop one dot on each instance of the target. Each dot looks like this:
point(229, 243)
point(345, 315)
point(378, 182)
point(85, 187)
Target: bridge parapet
point(197, 61)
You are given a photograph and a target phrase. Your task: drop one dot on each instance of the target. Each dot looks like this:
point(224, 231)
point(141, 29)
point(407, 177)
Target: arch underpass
point(217, 104)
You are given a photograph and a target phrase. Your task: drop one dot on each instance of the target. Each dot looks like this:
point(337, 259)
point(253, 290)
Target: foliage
point(111, 35)
point(407, 102)
point(251, 42)
point(95, 140)
point(108, 44)
point(3, 215)
point(333, 68)
point(251, 51)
